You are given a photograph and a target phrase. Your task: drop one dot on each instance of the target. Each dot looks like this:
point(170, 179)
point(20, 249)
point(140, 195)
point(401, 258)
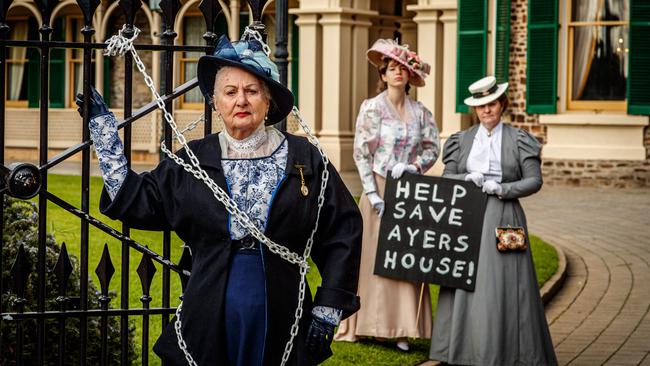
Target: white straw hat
point(484, 91)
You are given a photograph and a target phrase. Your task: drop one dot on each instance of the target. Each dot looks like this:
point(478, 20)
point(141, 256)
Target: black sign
point(431, 231)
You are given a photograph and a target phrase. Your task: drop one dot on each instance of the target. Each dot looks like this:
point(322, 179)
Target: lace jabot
point(260, 143)
point(248, 144)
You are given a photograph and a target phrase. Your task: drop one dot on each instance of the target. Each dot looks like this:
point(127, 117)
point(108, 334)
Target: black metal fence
point(25, 181)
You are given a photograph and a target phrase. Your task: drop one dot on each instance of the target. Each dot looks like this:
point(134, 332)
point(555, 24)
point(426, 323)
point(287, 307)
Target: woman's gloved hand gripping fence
point(108, 146)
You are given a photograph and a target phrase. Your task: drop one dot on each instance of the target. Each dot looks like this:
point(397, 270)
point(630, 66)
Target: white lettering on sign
point(437, 215)
point(443, 266)
point(390, 259)
point(454, 217)
point(445, 239)
point(429, 239)
point(459, 192)
point(408, 261)
point(412, 234)
point(417, 211)
point(421, 191)
point(395, 234)
point(434, 197)
point(423, 268)
point(459, 266)
point(402, 188)
point(400, 212)
point(462, 240)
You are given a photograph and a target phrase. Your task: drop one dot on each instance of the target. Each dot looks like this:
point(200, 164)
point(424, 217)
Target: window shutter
point(472, 47)
point(502, 38)
point(57, 78)
point(57, 67)
point(33, 78)
point(638, 80)
point(541, 70)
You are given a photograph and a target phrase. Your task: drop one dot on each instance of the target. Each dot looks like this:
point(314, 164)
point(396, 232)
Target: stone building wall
point(141, 94)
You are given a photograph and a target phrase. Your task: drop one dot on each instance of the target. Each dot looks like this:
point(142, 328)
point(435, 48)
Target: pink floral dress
point(382, 139)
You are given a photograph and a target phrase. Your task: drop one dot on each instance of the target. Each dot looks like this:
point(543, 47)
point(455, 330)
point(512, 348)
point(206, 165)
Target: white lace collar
point(249, 144)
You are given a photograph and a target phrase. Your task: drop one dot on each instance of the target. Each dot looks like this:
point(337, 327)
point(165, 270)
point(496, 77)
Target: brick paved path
point(602, 313)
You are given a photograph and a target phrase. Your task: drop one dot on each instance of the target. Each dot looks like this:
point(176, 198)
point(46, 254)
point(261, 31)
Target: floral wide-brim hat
point(388, 48)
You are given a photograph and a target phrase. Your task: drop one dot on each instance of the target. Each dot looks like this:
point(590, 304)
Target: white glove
point(376, 202)
point(492, 187)
point(399, 169)
point(475, 177)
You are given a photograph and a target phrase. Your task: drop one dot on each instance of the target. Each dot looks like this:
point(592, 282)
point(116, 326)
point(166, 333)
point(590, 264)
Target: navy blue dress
point(252, 184)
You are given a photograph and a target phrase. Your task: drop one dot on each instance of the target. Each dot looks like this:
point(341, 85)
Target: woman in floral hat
point(394, 134)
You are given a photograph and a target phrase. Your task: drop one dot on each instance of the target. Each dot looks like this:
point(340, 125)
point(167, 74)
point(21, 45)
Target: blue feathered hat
point(247, 55)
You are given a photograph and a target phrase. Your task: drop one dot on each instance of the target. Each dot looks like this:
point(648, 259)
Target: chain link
point(118, 45)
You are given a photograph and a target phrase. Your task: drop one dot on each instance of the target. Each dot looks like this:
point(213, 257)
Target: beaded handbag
point(510, 238)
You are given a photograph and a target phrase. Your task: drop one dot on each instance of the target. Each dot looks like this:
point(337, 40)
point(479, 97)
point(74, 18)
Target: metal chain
point(257, 36)
point(118, 45)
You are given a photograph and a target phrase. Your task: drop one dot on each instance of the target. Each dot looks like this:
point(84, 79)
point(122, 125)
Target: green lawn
point(65, 227)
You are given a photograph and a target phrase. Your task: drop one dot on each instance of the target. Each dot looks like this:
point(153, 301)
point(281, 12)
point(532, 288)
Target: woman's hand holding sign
point(400, 168)
point(475, 177)
point(492, 187)
point(377, 203)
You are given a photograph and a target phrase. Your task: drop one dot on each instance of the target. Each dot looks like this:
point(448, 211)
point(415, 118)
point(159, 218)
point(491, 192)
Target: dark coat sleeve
point(337, 248)
point(149, 200)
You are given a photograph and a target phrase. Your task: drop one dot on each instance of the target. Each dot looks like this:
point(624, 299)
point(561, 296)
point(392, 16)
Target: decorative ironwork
point(20, 271)
point(170, 10)
point(146, 271)
point(104, 272)
point(20, 180)
point(281, 53)
point(185, 262)
point(88, 8)
point(46, 7)
point(4, 8)
point(62, 271)
point(256, 8)
point(210, 13)
point(130, 8)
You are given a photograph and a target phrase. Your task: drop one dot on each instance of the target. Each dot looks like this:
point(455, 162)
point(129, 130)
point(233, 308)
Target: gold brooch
point(303, 188)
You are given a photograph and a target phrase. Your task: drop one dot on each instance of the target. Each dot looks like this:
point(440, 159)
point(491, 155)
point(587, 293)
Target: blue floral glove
point(108, 146)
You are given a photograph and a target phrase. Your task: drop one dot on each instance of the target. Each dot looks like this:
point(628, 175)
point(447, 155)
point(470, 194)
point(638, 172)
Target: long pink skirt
point(389, 308)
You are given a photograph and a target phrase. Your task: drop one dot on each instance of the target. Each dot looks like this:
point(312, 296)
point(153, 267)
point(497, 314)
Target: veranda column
point(359, 87)
point(336, 134)
point(338, 100)
point(309, 74)
point(233, 27)
point(430, 49)
point(451, 121)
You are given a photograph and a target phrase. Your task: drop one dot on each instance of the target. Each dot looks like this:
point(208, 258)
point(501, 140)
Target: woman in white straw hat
point(394, 134)
point(502, 322)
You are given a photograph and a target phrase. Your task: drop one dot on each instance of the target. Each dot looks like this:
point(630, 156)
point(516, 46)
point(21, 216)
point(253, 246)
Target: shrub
point(21, 228)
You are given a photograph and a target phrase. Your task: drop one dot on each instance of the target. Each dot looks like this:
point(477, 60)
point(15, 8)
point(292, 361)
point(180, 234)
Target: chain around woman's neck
point(249, 144)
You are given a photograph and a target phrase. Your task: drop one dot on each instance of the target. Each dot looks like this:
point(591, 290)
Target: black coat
point(169, 198)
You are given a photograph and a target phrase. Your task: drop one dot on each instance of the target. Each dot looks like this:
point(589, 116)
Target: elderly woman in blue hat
point(502, 322)
point(240, 301)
